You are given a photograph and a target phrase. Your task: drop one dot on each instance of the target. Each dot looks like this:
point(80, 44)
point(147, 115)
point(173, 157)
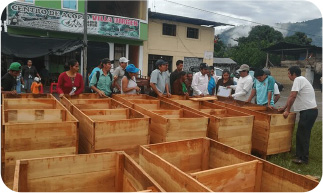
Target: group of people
point(21, 77)
point(262, 87)
point(203, 83)
point(101, 81)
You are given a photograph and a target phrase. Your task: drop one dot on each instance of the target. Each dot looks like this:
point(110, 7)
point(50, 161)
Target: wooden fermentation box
point(98, 172)
point(168, 122)
point(107, 125)
point(226, 125)
point(205, 165)
point(272, 133)
point(34, 128)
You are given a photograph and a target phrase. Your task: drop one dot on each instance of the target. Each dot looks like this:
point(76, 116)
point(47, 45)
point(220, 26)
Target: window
point(69, 4)
point(169, 29)
point(152, 59)
point(192, 33)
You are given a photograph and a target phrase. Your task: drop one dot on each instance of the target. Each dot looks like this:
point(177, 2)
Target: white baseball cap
point(36, 79)
point(123, 59)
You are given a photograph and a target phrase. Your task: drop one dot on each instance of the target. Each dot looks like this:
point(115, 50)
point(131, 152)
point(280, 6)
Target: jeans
point(28, 83)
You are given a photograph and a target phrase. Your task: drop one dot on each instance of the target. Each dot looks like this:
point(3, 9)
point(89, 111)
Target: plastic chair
point(41, 89)
point(52, 89)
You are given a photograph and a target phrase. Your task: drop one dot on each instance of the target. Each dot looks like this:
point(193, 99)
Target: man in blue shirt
point(263, 86)
point(98, 68)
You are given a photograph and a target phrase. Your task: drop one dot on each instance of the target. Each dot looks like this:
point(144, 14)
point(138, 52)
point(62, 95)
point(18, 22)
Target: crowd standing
point(203, 83)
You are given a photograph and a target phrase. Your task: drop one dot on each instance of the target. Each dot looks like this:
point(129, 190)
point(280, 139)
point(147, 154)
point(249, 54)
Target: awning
point(33, 47)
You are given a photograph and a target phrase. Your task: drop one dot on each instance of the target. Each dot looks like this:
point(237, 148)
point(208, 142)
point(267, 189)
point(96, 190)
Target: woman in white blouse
point(128, 82)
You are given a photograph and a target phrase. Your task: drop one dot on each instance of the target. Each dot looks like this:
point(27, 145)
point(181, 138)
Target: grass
point(314, 167)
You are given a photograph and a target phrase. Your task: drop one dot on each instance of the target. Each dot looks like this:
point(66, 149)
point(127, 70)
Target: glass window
point(169, 29)
point(218, 72)
point(192, 33)
point(70, 4)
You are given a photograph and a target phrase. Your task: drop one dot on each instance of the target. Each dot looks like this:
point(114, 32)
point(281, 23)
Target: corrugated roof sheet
point(168, 17)
point(223, 61)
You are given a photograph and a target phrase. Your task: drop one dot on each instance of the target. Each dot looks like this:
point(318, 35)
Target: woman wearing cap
point(70, 82)
point(128, 82)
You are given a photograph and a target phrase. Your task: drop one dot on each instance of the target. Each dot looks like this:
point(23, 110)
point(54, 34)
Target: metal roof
point(290, 48)
point(195, 21)
point(223, 61)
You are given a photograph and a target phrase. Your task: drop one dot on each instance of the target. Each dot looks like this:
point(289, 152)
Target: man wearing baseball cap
point(8, 81)
point(119, 73)
point(158, 80)
point(244, 84)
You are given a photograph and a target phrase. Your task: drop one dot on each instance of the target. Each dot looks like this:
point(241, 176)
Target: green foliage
point(249, 48)
point(219, 49)
point(299, 38)
point(262, 33)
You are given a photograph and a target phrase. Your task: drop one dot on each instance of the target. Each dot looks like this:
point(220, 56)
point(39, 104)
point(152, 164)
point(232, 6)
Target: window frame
point(175, 26)
point(198, 33)
point(76, 9)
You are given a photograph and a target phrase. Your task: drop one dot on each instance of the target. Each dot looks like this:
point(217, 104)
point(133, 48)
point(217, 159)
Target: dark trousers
point(303, 135)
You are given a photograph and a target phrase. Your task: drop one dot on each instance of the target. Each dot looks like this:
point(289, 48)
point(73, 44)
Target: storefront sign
point(24, 15)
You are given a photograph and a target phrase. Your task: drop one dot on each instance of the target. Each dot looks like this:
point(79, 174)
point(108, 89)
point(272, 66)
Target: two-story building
point(173, 38)
point(51, 32)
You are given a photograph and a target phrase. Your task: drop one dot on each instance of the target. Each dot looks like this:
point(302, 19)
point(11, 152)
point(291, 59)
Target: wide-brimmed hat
point(132, 68)
point(243, 67)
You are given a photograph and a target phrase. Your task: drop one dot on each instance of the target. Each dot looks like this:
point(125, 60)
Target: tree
point(299, 38)
point(249, 48)
point(219, 48)
point(263, 32)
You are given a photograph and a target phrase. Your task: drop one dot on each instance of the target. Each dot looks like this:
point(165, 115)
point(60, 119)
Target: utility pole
point(85, 42)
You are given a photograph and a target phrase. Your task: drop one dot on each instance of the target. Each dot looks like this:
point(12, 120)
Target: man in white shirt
point(200, 81)
point(119, 73)
point(303, 97)
point(244, 85)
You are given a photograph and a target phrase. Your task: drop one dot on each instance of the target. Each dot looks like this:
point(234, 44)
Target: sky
point(236, 12)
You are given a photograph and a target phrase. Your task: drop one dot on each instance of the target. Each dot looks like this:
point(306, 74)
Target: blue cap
point(132, 68)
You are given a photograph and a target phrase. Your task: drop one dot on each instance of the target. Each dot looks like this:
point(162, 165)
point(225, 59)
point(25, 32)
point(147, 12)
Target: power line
point(199, 9)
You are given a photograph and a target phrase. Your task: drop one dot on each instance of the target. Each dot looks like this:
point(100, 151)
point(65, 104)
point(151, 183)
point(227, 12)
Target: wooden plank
point(236, 177)
point(100, 181)
point(208, 98)
point(57, 166)
point(138, 178)
point(160, 170)
point(20, 177)
point(86, 126)
point(130, 133)
point(120, 162)
point(29, 103)
point(33, 115)
point(205, 155)
point(258, 177)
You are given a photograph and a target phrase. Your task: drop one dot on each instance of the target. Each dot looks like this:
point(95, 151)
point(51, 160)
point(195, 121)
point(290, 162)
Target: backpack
point(98, 76)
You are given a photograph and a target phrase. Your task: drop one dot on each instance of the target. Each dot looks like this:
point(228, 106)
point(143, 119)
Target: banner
point(29, 16)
